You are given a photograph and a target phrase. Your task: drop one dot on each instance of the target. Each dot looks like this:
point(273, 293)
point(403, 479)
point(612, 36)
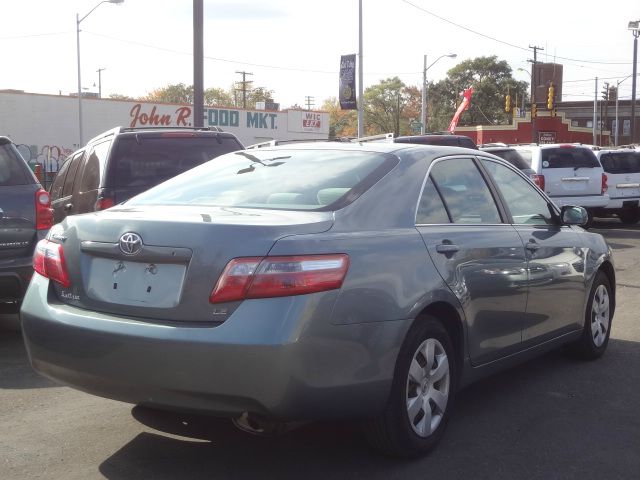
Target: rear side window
point(69, 180)
point(431, 209)
point(568, 158)
point(13, 168)
point(90, 179)
point(621, 162)
point(513, 157)
point(145, 160)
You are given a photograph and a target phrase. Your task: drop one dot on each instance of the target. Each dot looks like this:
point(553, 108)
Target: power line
point(475, 32)
point(35, 35)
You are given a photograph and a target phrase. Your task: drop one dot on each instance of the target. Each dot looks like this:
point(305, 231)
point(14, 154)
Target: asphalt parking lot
point(551, 418)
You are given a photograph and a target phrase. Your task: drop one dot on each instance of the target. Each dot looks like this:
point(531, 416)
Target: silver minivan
point(569, 173)
point(623, 171)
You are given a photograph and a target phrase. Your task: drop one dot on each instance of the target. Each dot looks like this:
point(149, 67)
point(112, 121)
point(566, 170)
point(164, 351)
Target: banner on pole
point(347, 92)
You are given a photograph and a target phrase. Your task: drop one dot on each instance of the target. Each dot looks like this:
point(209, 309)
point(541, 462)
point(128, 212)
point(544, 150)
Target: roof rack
point(381, 138)
point(275, 143)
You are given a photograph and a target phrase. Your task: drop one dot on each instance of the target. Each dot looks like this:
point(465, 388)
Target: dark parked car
point(25, 218)
point(441, 139)
point(319, 281)
point(512, 156)
point(123, 162)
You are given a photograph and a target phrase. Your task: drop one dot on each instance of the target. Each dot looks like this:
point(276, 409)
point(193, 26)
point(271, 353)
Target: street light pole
point(78, 21)
point(423, 114)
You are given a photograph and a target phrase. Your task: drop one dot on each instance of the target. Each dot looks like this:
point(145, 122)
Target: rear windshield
point(13, 168)
point(275, 179)
point(513, 157)
point(145, 160)
point(568, 157)
point(621, 162)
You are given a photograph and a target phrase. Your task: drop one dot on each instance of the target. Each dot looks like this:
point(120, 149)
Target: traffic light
point(550, 97)
point(534, 110)
point(507, 103)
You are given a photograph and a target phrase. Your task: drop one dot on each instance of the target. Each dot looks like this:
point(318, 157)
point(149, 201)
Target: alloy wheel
point(600, 315)
point(428, 384)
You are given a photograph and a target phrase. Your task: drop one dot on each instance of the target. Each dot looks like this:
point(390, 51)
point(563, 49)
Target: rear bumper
point(292, 366)
point(620, 203)
point(15, 274)
point(587, 201)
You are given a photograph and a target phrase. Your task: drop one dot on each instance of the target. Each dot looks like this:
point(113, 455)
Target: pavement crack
point(627, 285)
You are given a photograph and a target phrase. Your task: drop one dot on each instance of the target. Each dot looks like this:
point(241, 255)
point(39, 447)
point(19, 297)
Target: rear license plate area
point(147, 284)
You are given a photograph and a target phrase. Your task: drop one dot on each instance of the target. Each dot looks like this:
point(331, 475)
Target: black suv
point(123, 162)
point(25, 218)
point(438, 139)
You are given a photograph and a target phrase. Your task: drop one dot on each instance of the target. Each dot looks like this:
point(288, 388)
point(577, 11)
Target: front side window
point(465, 193)
point(275, 179)
point(524, 201)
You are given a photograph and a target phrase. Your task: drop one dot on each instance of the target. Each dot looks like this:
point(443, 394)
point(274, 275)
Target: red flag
point(466, 101)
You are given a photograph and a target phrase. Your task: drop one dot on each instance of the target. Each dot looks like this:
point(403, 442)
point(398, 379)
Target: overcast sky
point(294, 47)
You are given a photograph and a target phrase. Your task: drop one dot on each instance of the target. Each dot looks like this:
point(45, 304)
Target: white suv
point(569, 174)
point(623, 170)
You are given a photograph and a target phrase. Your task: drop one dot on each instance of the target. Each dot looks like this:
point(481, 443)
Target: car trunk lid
point(161, 263)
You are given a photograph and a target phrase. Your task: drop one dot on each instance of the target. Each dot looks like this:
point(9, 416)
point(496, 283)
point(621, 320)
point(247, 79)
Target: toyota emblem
point(130, 243)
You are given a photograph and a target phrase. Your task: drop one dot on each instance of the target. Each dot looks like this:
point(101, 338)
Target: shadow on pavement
point(15, 369)
point(553, 417)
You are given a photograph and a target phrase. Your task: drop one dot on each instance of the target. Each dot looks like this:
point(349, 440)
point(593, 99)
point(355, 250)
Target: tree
point(218, 97)
point(491, 81)
point(259, 94)
point(178, 93)
point(342, 123)
point(119, 96)
point(390, 106)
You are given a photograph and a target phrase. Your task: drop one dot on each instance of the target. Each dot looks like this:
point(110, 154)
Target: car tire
point(629, 217)
point(422, 393)
point(597, 323)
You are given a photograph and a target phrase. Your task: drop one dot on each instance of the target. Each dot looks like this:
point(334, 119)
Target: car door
point(62, 193)
point(85, 189)
point(555, 262)
point(480, 257)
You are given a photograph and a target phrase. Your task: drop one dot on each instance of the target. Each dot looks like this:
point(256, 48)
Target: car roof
point(375, 147)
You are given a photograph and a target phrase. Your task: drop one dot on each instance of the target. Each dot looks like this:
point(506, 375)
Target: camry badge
point(130, 243)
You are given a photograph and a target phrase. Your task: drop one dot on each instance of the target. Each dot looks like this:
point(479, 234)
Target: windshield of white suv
point(568, 157)
point(621, 162)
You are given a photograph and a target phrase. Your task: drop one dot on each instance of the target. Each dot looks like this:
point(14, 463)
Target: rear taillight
point(48, 261)
point(539, 181)
point(259, 277)
point(103, 203)
point(604, 187)
point(44, 212)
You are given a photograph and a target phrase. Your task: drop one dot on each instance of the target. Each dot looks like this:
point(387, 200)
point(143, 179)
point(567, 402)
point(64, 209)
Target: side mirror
point(572, 215)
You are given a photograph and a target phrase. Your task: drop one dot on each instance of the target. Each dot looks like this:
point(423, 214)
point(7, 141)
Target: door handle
point(532, 246)
point(447, 248)
point(68, 206)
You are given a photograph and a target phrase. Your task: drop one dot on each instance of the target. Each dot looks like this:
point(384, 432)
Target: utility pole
point(244, 87)
point(100, 81)
point(534, 85)
point(198, 64)
point(309, 101)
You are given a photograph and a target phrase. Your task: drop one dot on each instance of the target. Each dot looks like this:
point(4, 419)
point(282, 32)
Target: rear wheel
point(597, 326)
point(629, 216)
point(421, 396)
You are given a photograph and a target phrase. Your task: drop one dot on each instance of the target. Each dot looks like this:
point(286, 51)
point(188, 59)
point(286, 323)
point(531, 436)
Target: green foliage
point(491, 81)
point(119, 96)
point(389, 107)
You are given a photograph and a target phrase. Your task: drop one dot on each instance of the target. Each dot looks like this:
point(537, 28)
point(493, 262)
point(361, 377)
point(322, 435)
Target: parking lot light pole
point(78, 21)
point(617, 99)
point(423, 112)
